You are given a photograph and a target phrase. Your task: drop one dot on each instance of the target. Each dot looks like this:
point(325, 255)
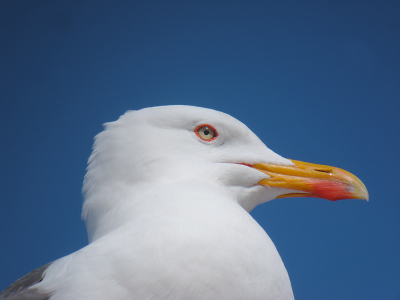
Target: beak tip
point(366, 197)
point(362, 195)
point(363, 192)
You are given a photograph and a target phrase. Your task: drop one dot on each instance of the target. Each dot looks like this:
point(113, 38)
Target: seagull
point(167, 196)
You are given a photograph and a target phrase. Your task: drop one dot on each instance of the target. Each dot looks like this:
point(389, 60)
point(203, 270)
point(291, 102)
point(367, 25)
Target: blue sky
point(317, 81)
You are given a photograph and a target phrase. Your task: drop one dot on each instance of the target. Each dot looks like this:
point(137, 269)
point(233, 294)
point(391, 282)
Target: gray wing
point(16, 290)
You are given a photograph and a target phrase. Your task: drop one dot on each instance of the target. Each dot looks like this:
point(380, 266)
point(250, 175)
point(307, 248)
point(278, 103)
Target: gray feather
point(16, 290)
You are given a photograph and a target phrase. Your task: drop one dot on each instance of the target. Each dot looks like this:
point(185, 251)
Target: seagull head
point(173, 144)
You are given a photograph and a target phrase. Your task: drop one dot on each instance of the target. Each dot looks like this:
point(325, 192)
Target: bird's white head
point(173, 144)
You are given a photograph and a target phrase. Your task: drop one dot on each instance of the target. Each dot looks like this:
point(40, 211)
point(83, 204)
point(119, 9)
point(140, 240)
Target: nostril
point(323, 171)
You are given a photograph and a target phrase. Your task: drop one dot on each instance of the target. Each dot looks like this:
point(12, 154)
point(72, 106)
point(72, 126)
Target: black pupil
point(206, 132)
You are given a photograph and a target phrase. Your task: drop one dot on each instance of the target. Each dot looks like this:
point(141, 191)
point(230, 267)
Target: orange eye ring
point(206, 132)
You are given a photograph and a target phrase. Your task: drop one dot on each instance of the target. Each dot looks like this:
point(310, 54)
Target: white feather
point(167, 214)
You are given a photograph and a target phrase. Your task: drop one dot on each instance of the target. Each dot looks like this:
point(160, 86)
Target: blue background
point(317, 81)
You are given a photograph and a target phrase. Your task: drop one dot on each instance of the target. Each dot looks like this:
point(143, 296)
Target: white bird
point(167, 197)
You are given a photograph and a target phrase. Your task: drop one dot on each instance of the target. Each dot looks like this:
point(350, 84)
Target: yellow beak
point(312, 180)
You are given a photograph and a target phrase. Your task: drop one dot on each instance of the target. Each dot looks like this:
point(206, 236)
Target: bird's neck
point(113, 207)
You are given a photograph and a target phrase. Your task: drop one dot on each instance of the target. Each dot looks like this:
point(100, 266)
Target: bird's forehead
point(183, 117)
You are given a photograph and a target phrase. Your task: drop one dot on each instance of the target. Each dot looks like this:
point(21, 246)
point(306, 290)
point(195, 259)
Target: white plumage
point(167, 214)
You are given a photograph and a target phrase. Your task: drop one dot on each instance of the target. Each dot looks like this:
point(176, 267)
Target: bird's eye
point(206, 132)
